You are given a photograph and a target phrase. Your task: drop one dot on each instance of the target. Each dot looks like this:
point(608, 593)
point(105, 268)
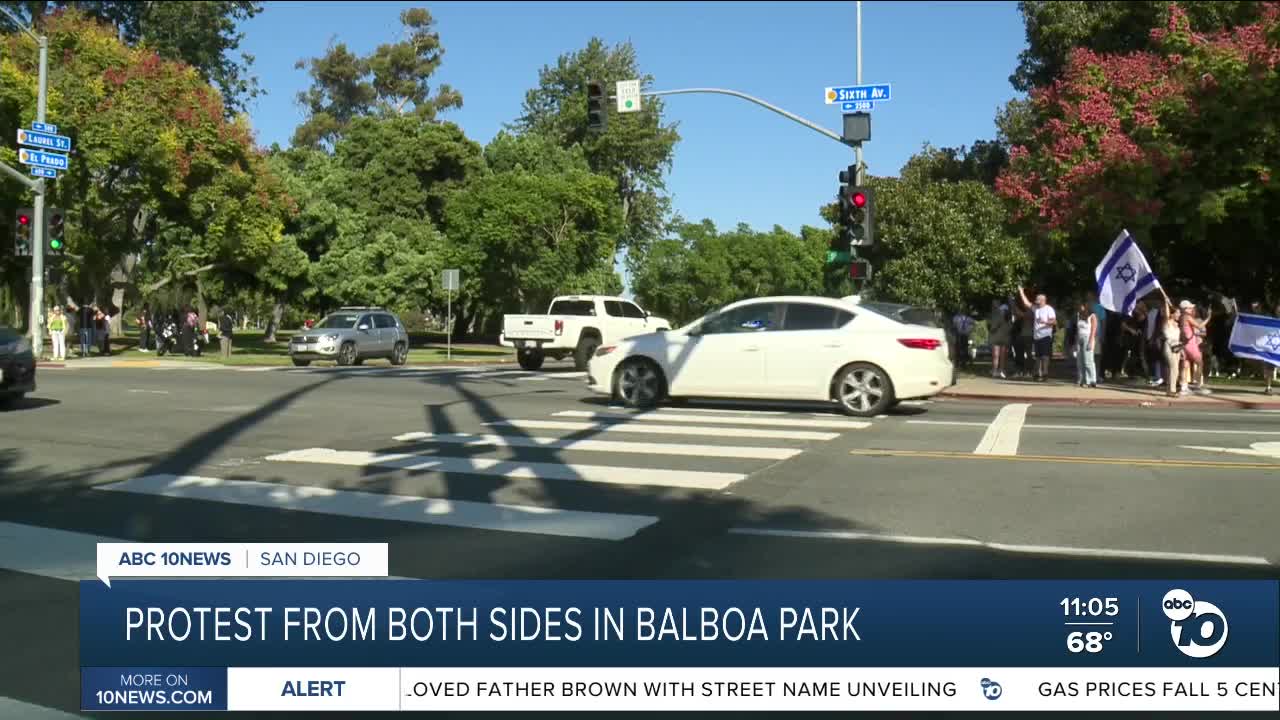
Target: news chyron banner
point(367, 642)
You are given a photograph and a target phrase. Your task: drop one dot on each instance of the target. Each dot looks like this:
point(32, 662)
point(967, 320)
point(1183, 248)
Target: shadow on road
point(26, 403)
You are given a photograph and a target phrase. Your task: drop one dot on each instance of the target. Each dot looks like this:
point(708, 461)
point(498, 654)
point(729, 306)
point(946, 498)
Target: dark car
point(17, 365)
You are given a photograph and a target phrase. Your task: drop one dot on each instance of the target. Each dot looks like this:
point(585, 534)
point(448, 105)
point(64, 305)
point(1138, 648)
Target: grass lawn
point(251, 349)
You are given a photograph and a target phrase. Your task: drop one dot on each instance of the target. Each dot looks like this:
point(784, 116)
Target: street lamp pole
point(37, 234)
point(38, 188)
point(857, 148)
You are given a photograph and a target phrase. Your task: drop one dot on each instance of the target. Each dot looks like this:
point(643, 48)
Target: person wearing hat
point(1191, 357)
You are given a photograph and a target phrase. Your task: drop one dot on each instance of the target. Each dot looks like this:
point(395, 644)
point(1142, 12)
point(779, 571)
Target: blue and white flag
point(1124, 276)
point(1256, 337)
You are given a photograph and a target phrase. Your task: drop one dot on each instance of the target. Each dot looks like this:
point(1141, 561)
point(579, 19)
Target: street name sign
point(862, 106)
point(44, 127)
point(46, 141)
point(44, 172)
point(858, 93)
point(628, 93)
point(449, 278)
point(40, 158)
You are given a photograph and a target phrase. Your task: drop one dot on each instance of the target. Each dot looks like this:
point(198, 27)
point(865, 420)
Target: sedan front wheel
point(638, 384)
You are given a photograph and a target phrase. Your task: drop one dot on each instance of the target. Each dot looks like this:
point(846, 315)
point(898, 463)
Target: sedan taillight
point(606, 350)
point(921, 343)
point(559, 327)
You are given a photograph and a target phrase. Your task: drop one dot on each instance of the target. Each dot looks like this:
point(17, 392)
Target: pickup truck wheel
point(586, 348)
point(530, 359)
point(638, 384)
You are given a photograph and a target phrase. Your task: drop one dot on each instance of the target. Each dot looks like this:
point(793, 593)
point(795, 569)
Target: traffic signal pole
point(37, 233)
point(857, 148)
point(37, 187)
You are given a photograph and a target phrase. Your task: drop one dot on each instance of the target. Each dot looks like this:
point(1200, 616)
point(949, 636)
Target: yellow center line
point(1136, 462)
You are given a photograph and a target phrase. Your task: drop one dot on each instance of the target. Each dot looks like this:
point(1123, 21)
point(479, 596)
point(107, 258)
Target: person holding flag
point(1257, 337)
point(1124, 276)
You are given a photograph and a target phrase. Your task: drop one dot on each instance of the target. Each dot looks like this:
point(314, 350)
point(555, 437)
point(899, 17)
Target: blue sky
point(949, 64)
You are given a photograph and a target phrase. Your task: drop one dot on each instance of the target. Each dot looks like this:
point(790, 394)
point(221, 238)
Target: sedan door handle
point(753, 348)
point(834, 345)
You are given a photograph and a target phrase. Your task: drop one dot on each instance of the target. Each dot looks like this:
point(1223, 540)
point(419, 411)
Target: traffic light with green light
point(22, 220)
point(56, 232)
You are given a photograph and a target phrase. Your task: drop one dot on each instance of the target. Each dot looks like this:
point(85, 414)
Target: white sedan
point(780, 348)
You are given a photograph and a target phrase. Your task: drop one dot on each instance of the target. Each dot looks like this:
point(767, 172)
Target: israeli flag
point(1256, 337)
point(1124, 276)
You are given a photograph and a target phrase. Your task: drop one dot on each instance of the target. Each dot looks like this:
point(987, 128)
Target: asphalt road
point(506, 474)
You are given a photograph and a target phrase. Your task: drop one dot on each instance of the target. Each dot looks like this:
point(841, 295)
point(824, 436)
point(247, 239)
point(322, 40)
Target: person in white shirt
point(1045, 324)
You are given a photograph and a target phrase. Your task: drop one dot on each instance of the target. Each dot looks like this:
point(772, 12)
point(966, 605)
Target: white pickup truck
point(575, 325)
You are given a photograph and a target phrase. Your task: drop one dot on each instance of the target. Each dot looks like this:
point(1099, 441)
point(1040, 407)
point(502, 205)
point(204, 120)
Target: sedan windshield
point(339, 321)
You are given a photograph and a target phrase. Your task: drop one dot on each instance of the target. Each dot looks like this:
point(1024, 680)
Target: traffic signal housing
point(55, 232)
point(860, 270)
point(22, 220)
point(857, 215)
point(597, 113)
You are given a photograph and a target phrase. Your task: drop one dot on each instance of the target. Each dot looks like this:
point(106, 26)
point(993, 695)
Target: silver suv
point(350, 336)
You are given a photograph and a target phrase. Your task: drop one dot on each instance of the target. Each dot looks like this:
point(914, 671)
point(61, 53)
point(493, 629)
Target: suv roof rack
point(360, 307)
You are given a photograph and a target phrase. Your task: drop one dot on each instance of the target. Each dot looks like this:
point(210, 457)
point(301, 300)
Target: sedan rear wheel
point(638, 384)
point(863, 390)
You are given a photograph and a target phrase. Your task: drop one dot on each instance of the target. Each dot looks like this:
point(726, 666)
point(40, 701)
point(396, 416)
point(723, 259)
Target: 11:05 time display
point(1091, 607)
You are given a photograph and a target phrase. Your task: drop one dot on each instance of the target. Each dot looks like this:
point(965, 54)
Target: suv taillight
point(921, 343)
point(559, 327)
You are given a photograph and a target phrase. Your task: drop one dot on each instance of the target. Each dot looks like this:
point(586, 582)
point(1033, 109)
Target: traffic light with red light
point(22, 220)
point(597, 113)
point(55, 232)
point(857, 215)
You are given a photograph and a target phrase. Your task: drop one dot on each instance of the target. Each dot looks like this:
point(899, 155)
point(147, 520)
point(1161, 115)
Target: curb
point(1114, 402)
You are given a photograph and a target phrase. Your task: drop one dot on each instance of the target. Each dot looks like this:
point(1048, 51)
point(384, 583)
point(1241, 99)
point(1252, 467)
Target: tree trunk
point(277, 313)
point(202, 310)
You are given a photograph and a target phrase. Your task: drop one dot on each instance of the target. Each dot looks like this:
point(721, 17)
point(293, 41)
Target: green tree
point(636, 149)
point(942, 244)
point(391, 81)
point(1055, 29)
point(202, 33)
point(521, 237)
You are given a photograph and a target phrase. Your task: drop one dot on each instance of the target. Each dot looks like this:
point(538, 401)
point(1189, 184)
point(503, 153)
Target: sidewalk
point(1135, 395)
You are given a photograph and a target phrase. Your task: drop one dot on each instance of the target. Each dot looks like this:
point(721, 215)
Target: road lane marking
point(1004, 431)
point(639, 448)
point(1103, 428)
point(1110, 553)
point(595, 428)
point(1265, 449)
point(744, 411)
point(396, 508)
point(153, 392)
point(1068, 459)
point(664, 417)
point(608, 474)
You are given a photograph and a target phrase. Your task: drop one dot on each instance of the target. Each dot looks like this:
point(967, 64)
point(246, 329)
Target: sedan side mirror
point(363, 328)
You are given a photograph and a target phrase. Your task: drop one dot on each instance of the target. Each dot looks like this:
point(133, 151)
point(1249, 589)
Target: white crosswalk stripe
point(384, 506)
point(622, 427)
point(694, 479)
point(651, 416)
point(640, 448)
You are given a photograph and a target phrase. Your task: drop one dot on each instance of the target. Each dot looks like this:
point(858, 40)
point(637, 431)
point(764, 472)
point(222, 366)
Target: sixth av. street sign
point(857, 93)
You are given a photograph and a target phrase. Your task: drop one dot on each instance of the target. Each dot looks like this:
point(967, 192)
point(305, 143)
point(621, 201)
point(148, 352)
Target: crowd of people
point(177, 330)
point(1174, 346)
